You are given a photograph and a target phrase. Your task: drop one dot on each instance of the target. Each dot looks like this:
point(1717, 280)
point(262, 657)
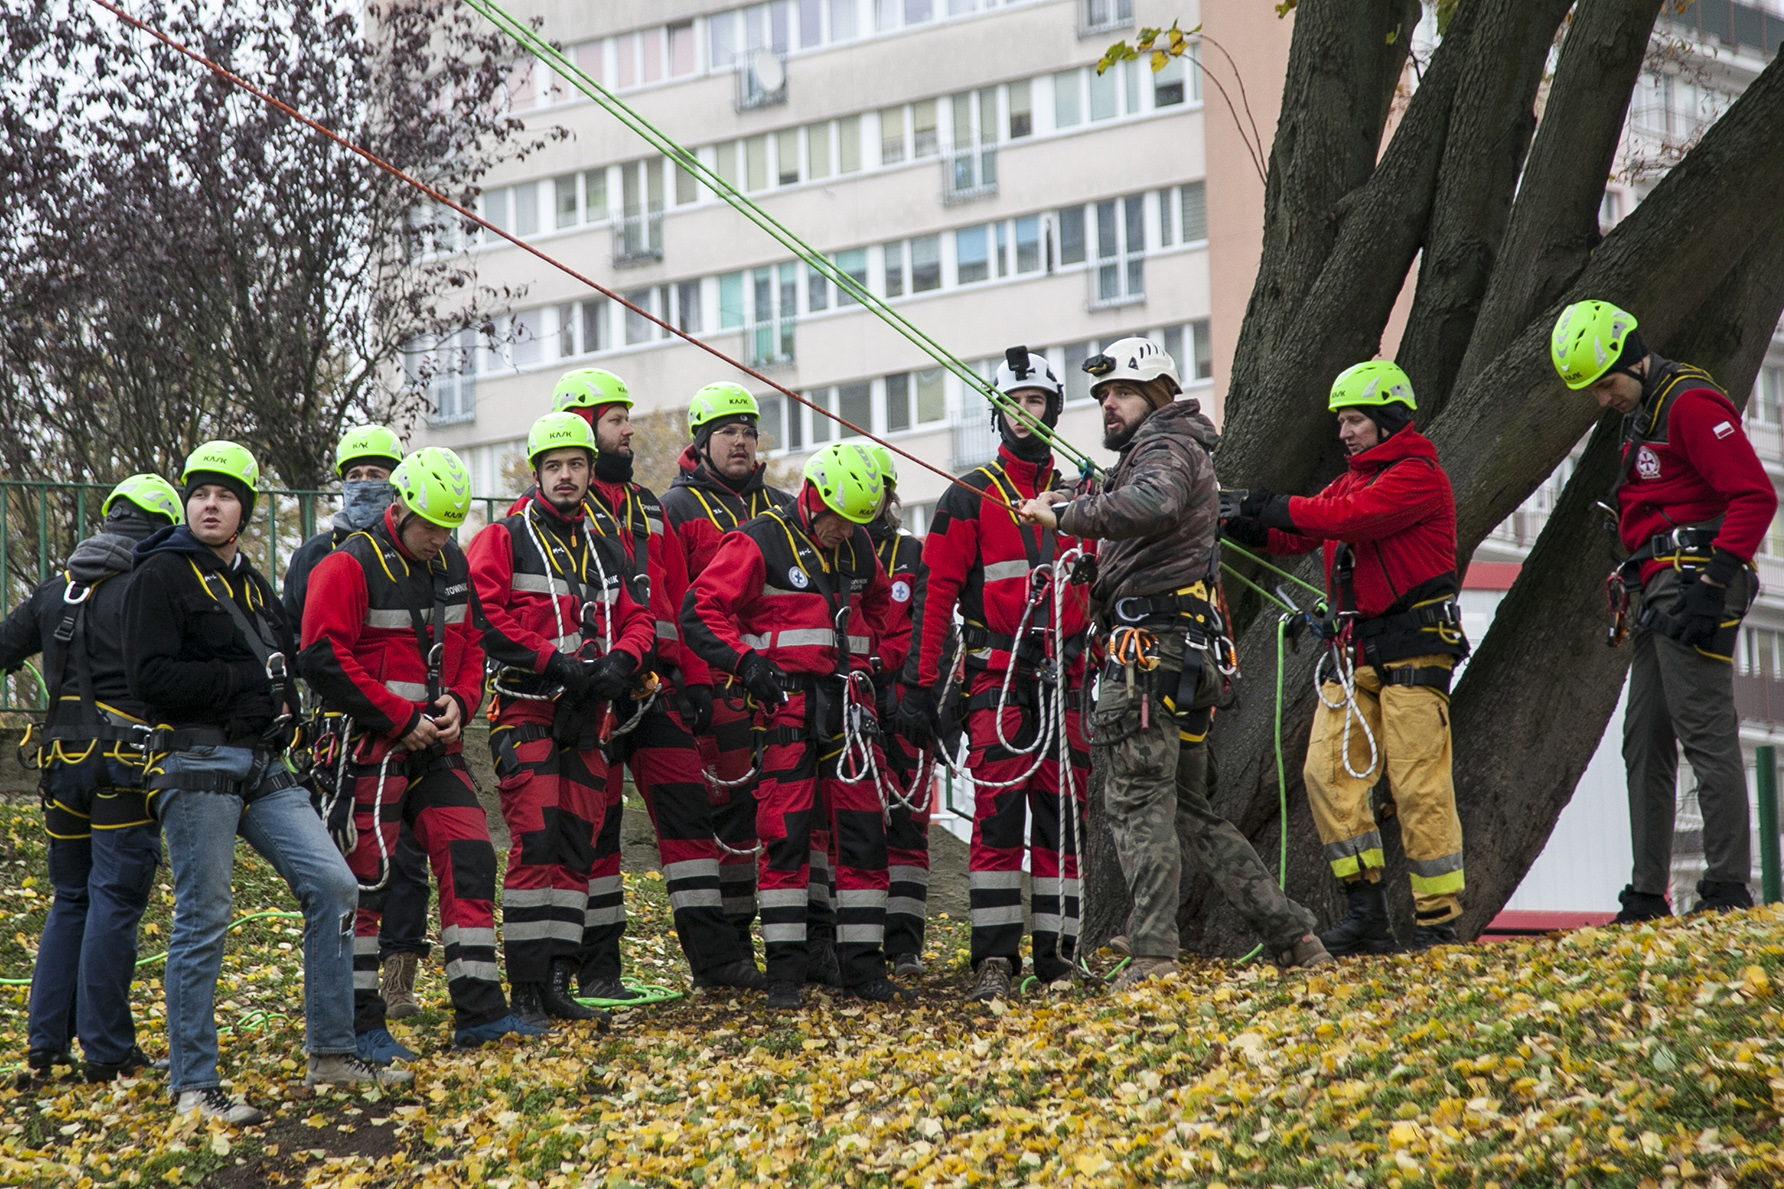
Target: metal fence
point(41, 522)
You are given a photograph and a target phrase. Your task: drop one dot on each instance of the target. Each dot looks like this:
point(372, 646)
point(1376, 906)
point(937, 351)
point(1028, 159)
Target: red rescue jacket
point(531, 574)
point(901, 556)
point(770, 589)
point(1394, 508)
point(362, 650)
point(700, 507)
point(977, 556)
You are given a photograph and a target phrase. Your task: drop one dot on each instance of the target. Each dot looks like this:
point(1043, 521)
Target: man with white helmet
point(998, 572)
point(1155, 595)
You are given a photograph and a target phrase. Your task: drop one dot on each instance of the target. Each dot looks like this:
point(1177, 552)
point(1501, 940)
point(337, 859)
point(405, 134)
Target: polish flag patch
point(1724, 429)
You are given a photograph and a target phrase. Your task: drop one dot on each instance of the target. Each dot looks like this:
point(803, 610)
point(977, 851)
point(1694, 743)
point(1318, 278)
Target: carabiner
point(275, 667)
point(68, 594)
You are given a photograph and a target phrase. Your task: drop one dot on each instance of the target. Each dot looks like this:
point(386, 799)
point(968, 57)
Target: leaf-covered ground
point(1643, 1057)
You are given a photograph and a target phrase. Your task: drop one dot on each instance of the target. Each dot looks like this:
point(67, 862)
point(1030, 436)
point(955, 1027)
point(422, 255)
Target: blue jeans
point(80, 985)
point(201, 827)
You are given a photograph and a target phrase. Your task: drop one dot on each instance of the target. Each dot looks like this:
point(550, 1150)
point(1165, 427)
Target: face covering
point(363, 501)
point(613, 468)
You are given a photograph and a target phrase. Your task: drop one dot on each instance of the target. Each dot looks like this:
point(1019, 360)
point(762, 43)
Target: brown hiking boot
point(993, 981)
point(1119, 947)
point(398, 986)
point(1141, 969)
point(1306, 953)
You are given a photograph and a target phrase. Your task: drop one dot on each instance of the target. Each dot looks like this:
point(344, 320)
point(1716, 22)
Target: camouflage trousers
point(1156, 794)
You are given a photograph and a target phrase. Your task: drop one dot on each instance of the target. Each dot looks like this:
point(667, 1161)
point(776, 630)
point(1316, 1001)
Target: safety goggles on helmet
point(1137, 360)
point(151, 493)
point(723, 399)
point(367, 443)
point(589, 388)
point(1377, 382)
point(225, 458)
point(558, 431)
point(846, 479)
point(435, 484)
point(1588, 340)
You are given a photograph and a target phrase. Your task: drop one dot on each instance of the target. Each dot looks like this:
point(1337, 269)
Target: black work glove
point(568, 672)
point(1703, 612)
point(1251, 502)
point(1246, 531)
point(1232, 500)
point(610, 676)
point(1267, 508)
point(694, 704)
point(762, 677)
point(916, 716)
point(338, 817)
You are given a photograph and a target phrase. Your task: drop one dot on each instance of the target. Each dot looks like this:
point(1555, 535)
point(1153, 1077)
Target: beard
point(1117, 439)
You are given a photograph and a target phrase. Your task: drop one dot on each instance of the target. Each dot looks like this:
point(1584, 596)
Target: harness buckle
point(1132, 617)
point(275, 668)
point(68, 595)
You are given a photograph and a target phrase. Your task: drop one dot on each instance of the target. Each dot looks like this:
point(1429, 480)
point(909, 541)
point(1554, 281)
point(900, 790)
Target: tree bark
point(1489, 134)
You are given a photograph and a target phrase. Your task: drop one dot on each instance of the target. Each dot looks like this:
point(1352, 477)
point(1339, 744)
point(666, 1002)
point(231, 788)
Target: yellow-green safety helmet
point(723, 399)
point(1588, 340)
point(222, 457)
point(151, 493)
point(1377, 382)
point(589, 388)
point(435, 484)
point(367, 443)
point(882, 458)
point(558, 431)
point(847, 481)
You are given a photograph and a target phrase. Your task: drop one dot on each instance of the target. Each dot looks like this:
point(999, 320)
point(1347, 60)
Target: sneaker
point(908, 966)
point(381, 1048)
point(609, 989)
point(881, 990)
point(135, 1059)
point(1721, 896)
point(1306, 953)
point(558, 1002)
point(1426, 936)
point(397, 985)
point(822, 968)
point(214, 1104)
point(993, 981)
point(529, 1004)
point(785, 996)
point(348, 1069)
point(482, 1034)
point(741, 975)
point(1639, 907)
point(1141, 969)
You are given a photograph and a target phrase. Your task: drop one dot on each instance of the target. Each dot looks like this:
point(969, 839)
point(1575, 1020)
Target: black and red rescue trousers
point(552, 798)
point(665, 767)
point(805, 813)
point(994, 865)
point(434, 795)
point(907, 842)
point(727, 751)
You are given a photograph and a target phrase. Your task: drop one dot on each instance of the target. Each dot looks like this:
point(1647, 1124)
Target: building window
point(786, 157)
point(770, 425)
point(755, 171)
point(811, 23)
point(495, 211)
point(843, 23)
point(681, 49)
point(590, 59)
point(817, 291)
point(1021, 110)
point(731, 301)
point(594, 196)
point(1028, 244)
point(924, 142)
point(1071, 235)
point(855, 405)
point(1203, 350)
point(932, 397)
point(819, 399)
point(1120, 251)
point(639, 329)
point(926, 263)
point(854, 265)
point(1768, 396)
point(526, 343)
point(1104, 101)
point(918, 11)
point(972, 258)
point(1167, 84)
point(891, 135)
point(1195, 212)
point(687, 307)
point(596, 332)
point(1077, 383)
point(449, 373)
point(1106, 14)
point(721, 37)
point(817, 151)
point(569, 203)
point(848, 142)
point(1067, 111)
point(895, 270)
point(898, 402)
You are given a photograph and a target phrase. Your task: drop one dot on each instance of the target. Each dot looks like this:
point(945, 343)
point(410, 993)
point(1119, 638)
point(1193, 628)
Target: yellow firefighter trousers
point(1410, 725)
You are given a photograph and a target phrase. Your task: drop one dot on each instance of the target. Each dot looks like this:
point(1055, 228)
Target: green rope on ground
point(162, 956)
point(567, 70)
point(649, 994)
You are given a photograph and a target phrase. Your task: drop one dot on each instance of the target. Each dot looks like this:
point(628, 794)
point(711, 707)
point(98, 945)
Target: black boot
point(1426, 936)
point(1640, 906)
point(1714, 895)
point(528, 1000)
point(740, 975)
point(1365, 930)
point(558, 1000)
point(822, 967)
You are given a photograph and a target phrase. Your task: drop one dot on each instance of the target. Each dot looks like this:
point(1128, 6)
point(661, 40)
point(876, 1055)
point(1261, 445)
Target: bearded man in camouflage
point(1155, 597)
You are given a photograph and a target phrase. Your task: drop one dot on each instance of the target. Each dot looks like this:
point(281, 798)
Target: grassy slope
point(1609, 1057)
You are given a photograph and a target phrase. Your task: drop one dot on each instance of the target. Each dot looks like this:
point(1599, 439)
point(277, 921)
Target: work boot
point(881, 990)
point(908, 965)
point(1119, 947)
point(482, 1034)
point(1141, 969)
point(822, 967)
point(1305, 953)
point(741, 975)
point(1714, 895)
point(1640, 906)
point(993, 981)
point(381, 1048)
point(1365, 930)
point(398, 986)
point(134, 1060)
point(785, 996)
point(529, 1004)
point(558, 1001)
point(215, 1104)
point(349, 1069)
point(609, 989)
point(1426, 936)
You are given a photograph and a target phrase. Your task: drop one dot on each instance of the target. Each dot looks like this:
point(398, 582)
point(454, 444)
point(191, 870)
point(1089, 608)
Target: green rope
point(648, 994)
point(162, 956)
point(567, 70)
point(1274, 569)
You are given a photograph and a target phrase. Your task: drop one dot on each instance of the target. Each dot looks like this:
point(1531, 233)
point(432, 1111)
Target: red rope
point(393, 171)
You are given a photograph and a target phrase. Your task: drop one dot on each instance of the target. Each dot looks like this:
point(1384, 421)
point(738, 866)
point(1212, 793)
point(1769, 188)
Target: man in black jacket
point(103, 846)
point(205, 648)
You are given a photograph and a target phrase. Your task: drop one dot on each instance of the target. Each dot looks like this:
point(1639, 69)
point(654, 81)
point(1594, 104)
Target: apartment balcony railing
point(770, 343)
point(969, 173)
point(761, 79)
point(1117, 281)
point(1100, 16)
point(638, 239)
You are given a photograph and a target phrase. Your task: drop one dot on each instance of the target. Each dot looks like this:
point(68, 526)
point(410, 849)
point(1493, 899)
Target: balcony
point(1117, 280)
point(638, 239)
point(974, 442)
point(1758, 698)
point(1102, 16)
point(969, 173)
point(761, 79)
point(770, 343)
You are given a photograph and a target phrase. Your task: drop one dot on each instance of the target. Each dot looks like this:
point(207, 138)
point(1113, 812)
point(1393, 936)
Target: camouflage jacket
point(1158, 513)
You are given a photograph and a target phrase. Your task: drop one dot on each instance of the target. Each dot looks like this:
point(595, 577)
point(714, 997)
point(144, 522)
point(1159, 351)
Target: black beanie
point(1389, 419)
point(704, 434)
point(197, 479)
point(1634, 351)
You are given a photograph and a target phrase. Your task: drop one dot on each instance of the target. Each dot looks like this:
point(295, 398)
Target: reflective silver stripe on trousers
point(513, 931)
point(607, 914)
point(1046, 922)
point(466, 935)
point(695, 898)
point(1432, 868)
point(1003, 914)
point(365, 945)
point(871, 934)
point(861, 898)
point(604, 885)
point(782, 897)
point(482, 971)
point(909, 875)
point(543, 897)
point(690, 869)
point(365, 980)
point(993, 879)
point(905, 906)
point(772, 933)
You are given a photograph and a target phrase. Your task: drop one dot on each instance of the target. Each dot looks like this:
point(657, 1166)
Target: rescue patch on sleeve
point(1723, 429)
